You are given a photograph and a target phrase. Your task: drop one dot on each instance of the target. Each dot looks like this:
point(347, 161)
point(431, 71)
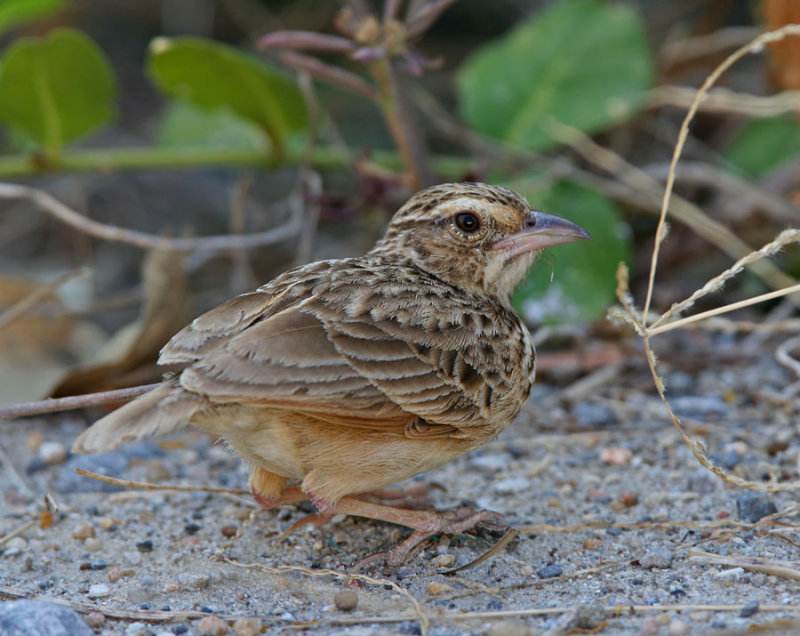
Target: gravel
point(608, 511)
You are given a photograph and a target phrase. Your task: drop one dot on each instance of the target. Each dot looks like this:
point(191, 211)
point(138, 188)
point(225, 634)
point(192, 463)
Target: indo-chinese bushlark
point(345, 376)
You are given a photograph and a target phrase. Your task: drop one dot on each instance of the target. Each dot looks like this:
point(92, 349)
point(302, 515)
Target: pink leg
point(424, 523)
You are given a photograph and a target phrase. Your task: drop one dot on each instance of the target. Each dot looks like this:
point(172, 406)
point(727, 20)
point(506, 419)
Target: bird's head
point(475, 236)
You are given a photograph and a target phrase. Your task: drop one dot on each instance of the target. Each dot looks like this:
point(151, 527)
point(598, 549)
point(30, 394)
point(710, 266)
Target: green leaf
point(13, 12)
point(583, 274)
point(186, 125)
point(764, 144)
point(57, 88)
point(212, 75)
point(585, 63)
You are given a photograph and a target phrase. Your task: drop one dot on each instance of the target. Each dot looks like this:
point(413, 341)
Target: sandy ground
point(620, 530)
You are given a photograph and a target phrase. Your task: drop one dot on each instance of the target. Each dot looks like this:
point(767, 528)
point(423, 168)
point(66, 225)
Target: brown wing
point(288, 361)
point(358, 347)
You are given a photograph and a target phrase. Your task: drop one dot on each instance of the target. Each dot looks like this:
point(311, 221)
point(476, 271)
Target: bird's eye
point(467, 222)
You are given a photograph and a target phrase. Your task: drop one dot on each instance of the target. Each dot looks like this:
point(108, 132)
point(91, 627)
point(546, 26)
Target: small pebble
point(98, 590)
point(17, 544)
point(95, 620)
point(132, 558)
point(701, 481)
point(749, 609)
point(753, 506)
point(509, 627)
point(435, 588)
point(444, 560)
point(109, 523)
point(229, 531)
point(659, 558)
point(549, 571)
point(136, 629)
point(194, 580)
point(115, 574)
point(678, 628)
point(211, 626)
point(511, 485)
point(92, 544)
point(526, 570)
point(346, 600)
point(615, 455)
point(191, 528)
point(38, 618)
point(145, 546)
point(52, 453)
point(249, 626)
point(592, 543)
point(629, 499)
point(82, 531)
point(730, 574)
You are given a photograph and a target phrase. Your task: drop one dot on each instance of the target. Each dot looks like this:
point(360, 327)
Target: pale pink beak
point(541, 230)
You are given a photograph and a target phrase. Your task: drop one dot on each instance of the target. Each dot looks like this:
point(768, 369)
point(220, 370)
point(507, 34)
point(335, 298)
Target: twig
point(652, 331)
point(756, 45)
point(73, 402)
point(772, 567)
point(682, 209)
point(723, 100)
point(703, 45)
point(744, 194)
point(143, 240)
point(20, 308)
point(148, 486)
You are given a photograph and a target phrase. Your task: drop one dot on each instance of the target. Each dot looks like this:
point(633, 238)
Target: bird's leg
point(412, 496)
point(270, 490)
point(424, 523)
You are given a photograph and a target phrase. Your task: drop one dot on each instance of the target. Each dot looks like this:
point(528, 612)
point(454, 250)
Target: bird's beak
point(541, 230)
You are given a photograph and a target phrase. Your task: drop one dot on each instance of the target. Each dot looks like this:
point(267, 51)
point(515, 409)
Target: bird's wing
point(287, 361)
point(349, 360)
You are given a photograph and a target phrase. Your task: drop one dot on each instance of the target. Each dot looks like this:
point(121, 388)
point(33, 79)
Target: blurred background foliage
point(203, 117)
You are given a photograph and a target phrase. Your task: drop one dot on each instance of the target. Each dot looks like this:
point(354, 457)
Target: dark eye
point(467, 222)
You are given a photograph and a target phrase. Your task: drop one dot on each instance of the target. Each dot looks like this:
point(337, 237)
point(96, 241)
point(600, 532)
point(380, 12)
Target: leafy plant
point(56, 89)
point(586, 63)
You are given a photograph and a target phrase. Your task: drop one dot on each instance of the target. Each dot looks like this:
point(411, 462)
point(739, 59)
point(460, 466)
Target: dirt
point(615, 518)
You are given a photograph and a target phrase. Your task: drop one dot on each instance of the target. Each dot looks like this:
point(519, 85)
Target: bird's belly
point(330, 460)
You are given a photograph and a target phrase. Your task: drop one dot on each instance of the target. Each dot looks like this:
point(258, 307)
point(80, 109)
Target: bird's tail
point(165, 409)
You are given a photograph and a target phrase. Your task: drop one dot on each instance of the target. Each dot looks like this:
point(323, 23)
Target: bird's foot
point(317, 519)
point(424, 523)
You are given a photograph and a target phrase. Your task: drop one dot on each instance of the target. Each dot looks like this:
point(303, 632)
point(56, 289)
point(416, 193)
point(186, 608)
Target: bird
point(343, 377)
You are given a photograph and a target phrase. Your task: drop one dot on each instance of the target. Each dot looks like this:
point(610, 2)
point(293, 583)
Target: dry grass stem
point(682, 209)
point(715, 284)
point(22, 307)
point(723, 100)
point(774, 567)
point(51, 405)
point(148, 486)
point(756, 45)
point(652, 331)
point(74, 219)
point(750, 259)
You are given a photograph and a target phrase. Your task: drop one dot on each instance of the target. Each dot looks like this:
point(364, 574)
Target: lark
point(346, 376)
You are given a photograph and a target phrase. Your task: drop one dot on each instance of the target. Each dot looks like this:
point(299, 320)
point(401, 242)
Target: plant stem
point(403, 130)
point(152, 158)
